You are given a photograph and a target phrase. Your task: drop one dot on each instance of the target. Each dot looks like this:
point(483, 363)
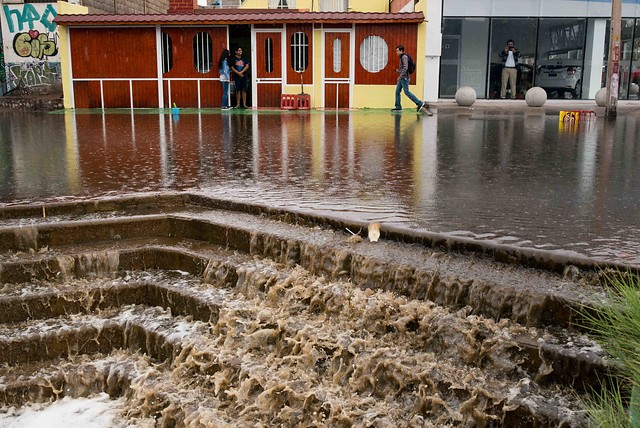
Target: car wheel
point(575, 94)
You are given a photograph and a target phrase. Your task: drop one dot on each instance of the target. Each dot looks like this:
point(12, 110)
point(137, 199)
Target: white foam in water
point(96, 412)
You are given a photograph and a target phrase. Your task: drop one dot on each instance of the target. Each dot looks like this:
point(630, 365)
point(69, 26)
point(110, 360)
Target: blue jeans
point(225, 94)
point(403, 85)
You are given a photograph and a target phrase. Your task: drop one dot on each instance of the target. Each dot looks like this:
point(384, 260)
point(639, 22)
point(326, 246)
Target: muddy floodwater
point(517, 178)
point(216, 270)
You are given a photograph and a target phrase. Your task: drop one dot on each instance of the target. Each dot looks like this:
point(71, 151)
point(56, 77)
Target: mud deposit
point(190, 315)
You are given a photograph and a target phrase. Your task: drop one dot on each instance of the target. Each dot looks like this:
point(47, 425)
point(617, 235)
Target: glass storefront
point(523, 32)
point(565, 56)
point(560, 58)
point(635, 65)
point(463, 61)
point(626, 56)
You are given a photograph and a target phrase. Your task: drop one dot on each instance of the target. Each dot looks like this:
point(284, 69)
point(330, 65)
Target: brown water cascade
point(192, 312)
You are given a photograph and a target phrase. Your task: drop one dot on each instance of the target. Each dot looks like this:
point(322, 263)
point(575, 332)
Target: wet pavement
point(498, 172)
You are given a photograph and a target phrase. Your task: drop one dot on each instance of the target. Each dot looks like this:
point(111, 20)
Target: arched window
point(167, 53)
point(374, 54)
point(202, 52)
point(268, 54)
point(299, 51)
point(337, 55)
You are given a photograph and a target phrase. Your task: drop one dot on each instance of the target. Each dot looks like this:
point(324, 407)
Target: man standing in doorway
point(238, 71)
point(403, 83)
point(509, 56)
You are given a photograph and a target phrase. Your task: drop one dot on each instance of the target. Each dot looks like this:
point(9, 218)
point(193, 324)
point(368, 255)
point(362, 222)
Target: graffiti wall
point(3, 73)
point(30, 45)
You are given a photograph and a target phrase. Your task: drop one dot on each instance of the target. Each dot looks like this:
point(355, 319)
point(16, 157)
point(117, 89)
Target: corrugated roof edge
point(244, 17)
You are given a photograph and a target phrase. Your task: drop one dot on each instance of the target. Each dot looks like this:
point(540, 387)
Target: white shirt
point(510, 61)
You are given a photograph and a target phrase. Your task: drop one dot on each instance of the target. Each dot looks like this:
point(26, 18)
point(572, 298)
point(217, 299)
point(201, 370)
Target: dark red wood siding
point(113, 52)
point(103, 53)
point(345, 57)
point(116, 94)
point(273, 70)
point(269, 94)
point(145, 94)
point(182, 43)
point(336, 95)
point(184, 93)
point(87, 94)
point(393, 34)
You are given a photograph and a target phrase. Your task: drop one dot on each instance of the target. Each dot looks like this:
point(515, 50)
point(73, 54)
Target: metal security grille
point(268, 54)
point(167, 53)
point(374, 54)
point(202, 52)
point(299, 52)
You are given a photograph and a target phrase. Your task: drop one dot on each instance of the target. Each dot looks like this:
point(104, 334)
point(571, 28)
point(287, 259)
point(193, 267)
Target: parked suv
point(559, 77)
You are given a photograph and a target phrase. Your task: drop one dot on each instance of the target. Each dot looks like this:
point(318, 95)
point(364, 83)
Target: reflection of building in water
point(39, 157)
point(425, 167)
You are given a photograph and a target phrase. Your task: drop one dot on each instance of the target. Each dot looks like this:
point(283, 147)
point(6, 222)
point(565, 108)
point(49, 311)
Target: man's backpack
point(411, 66)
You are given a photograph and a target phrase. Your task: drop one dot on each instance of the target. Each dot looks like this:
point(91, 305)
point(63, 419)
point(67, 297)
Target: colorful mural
point(3, 73)
point(31, 42)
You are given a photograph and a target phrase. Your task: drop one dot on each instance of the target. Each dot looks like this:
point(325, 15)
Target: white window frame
point(333, 5)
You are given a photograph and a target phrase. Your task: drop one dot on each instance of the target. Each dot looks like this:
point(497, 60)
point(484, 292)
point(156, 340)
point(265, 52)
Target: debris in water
point(374, 232)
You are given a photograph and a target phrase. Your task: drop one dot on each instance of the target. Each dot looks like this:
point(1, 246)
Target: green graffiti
point(34, 44)
point(26, 18)
point(27, 75)
point(3, 73)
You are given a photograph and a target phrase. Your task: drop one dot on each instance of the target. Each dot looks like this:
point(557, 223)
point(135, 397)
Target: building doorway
point(240, 36)
point(337, 79)
point(269, 66)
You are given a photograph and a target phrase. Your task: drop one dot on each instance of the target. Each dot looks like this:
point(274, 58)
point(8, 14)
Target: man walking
point(403, 83)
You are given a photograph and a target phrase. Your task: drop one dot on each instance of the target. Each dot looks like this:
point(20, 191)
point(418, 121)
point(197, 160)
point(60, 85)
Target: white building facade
point(563, 46)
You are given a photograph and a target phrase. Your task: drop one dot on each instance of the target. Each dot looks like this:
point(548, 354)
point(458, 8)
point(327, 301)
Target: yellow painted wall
point(318, 59)
point(65, 8)
point(379, 96)
point(354, 5)
point(255, 4)
point(368, 6)
point(364, 96)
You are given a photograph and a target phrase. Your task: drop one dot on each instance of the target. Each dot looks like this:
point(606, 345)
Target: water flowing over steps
point(292, 323)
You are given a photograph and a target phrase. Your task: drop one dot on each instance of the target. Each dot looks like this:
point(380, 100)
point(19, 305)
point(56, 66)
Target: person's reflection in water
point(403, 140)
point(226, 140)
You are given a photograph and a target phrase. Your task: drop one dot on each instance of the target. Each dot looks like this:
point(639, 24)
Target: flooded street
point(515, 178)
point(147, 280)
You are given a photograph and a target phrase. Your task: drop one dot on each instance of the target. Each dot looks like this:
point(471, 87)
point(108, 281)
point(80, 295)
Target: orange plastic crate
point(303, 101)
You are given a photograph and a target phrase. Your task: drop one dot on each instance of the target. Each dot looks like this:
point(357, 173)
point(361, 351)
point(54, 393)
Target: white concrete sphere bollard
point(465, 96)
point(536, 97)
point(634, 88)
point(601, 97)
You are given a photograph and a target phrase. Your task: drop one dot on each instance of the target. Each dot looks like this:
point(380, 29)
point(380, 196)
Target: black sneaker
point(396, 109)
point(421, 105)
